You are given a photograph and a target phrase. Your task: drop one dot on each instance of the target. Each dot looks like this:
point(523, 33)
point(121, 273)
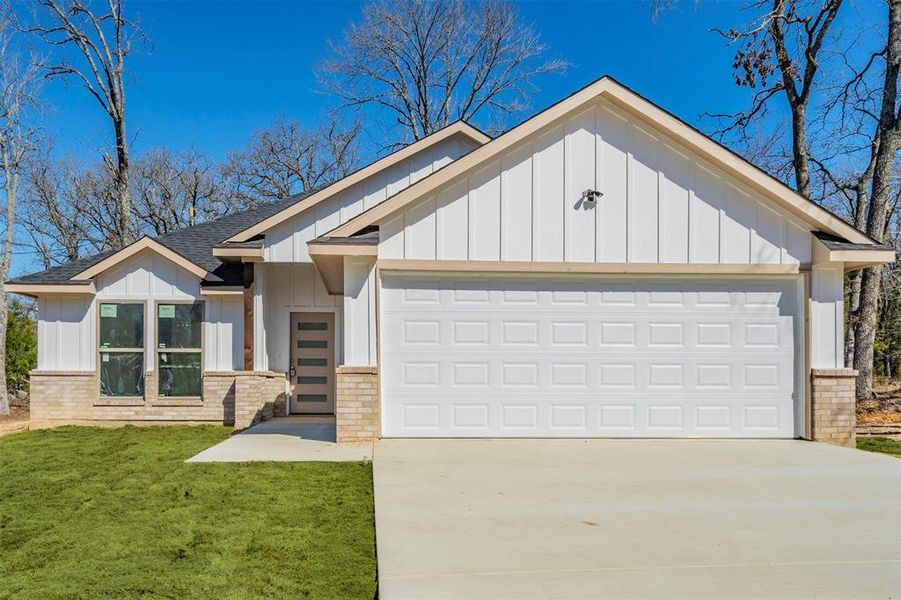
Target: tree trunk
point(860, 215)
point(799, 149)
point(866, 331)
point(123, 196)
point(4, 394)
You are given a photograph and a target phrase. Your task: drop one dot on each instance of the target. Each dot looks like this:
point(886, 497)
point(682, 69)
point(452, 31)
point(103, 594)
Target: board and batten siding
point(66, 333)
point(659, 204)
point(287, 242)
point(280, 290)
point(67, 325)
point(359, 312)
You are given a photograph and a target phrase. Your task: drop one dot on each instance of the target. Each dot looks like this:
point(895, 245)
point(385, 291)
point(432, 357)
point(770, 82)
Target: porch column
point(249, 331)
point(832, 417)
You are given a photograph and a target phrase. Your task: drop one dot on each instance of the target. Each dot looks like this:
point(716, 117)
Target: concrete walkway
point(635, 519)
point(286, 439)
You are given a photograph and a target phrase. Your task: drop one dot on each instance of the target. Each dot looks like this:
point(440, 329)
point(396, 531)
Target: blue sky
point(214, 72)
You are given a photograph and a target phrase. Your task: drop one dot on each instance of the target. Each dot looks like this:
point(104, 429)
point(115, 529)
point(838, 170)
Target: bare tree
point(175, 190)
point(53, 213)
point(16, 142)
point(779, 55)
point(885, 145)
point(286, 159)
point(102, 40)
point(426, 63)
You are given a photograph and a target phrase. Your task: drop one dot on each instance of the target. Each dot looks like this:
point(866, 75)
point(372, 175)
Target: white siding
point(66, 334)
point(224, 333)
point(148, 277)
point(660, 203)
point(827, 316)
point(67, 325)
point(359, 312)
point(287, 242)
point(281, 290)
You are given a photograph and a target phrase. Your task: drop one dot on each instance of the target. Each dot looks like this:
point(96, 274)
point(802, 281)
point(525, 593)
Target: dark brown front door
point(312, 370)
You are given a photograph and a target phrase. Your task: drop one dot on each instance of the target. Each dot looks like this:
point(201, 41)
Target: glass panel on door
point(312, 370)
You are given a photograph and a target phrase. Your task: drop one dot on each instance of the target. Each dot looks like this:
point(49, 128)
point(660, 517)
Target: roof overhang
point(458, 128)
point(233, 253)
point(827, 249)
point(70, 288)
point(328, 255)
point(222, 290)
point(145, 244)
point(623, 98)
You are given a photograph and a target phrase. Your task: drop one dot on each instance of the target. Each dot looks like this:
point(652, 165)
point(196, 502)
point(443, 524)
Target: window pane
point(312, 362)
point(122, 373)
point(121, 325)
point(312, 344)
point(180, 374)
point(179, 325)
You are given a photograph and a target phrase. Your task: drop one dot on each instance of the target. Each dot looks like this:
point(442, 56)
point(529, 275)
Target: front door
point(312, 369)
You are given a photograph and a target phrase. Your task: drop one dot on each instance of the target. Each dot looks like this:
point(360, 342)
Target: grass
point(116, 513)
point(880, 444)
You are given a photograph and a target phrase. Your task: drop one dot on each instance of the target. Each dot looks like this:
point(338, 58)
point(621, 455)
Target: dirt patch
point(16, 413)
point(885, 408)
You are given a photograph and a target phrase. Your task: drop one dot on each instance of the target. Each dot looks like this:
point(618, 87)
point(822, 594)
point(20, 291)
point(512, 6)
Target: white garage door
point(600, 357)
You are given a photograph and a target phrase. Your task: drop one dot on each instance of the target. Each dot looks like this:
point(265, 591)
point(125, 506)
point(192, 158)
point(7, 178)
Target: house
point(600, 270)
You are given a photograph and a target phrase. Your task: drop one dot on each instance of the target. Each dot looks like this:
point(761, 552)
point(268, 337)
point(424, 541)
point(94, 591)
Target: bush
point(21, 344)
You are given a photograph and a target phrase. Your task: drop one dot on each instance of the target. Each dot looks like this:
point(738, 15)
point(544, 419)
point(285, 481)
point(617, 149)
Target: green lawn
point(880, 444)
point(116, 513)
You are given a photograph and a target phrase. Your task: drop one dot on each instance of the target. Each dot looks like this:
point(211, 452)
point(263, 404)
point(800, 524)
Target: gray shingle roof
point(194, 243)
point(836, 243)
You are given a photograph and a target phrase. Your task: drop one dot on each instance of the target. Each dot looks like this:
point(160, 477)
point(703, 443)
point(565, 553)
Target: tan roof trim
point(624, 98)
point(331, 270)
point(853, 258)
point(39, 289)
point(142, 244)
point(343, 249)
point(458, 128)
point(509, 266)
point(230, 290)
point(246, 254)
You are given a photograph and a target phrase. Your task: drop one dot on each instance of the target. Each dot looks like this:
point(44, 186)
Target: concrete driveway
point(635, 519)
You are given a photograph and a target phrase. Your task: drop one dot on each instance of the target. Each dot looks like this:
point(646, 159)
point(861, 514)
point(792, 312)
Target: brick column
point(257, 396)
point(357, 404)
point(833, 404)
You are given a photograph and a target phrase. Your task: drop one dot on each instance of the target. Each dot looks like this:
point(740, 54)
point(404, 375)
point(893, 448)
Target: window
point(121, 340)
point(178, 349)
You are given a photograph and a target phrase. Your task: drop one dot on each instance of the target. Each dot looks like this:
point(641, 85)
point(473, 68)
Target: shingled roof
point(193, 243)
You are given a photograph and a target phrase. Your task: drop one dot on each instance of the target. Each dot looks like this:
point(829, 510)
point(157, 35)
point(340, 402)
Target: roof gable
point(659, 203)
point(653, 118)
point(142, 245)
point(460, 128)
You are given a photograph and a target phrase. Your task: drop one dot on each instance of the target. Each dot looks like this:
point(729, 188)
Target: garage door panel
point(588, 357)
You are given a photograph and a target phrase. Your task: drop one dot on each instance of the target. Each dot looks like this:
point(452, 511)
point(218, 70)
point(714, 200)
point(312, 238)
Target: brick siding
point(833, 416)
point(259, 395)
point(59, 397)
point(357, 415)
